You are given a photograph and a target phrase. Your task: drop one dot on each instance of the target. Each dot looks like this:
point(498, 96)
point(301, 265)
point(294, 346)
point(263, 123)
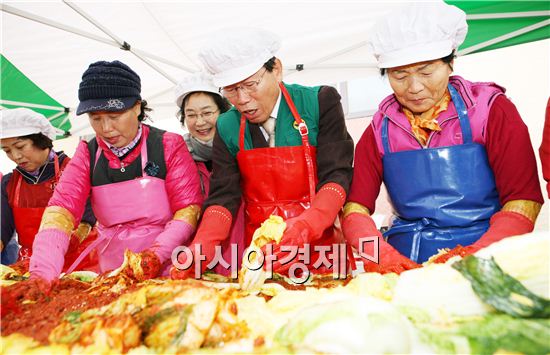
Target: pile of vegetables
point(492, 302)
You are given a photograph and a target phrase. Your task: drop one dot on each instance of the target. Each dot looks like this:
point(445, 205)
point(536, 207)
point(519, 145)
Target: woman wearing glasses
point(143, 183)
point(283, 148)
point(200, 105)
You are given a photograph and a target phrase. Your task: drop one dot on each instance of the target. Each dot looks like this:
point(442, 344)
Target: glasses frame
point(247, 87)
point(195, 116)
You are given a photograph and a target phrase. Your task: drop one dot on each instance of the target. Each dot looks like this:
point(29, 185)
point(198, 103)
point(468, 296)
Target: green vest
point(286, 133)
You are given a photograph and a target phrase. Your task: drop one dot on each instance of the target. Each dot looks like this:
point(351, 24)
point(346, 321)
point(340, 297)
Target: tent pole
point(312, 64)
point(26, 15)
point(176, 44)
point(123, 44)
point(57, 115)
point(507, 15)
point(338, 53)
point(27, 104)
point(504, 37)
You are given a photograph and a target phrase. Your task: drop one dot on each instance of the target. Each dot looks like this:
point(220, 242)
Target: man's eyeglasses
point(205, 115)
point(247, 87)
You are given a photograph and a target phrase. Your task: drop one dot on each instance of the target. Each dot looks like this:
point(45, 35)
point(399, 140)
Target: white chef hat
point(418, 32)
point(199, 81)
point(234, 54)
point(21, 121)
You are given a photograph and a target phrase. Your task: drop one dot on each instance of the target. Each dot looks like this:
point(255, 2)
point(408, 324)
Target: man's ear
point(278, 69)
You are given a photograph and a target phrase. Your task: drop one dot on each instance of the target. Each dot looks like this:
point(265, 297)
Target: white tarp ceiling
point(53, 42)
point(323, 36)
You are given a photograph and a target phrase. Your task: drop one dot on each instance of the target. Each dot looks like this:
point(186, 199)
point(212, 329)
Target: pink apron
point(130, 215)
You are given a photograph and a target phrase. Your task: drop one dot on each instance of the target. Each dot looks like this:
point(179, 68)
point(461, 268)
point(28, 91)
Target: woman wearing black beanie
point(143, 182)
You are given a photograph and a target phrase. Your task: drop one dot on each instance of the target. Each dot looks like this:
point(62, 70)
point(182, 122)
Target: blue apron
point(442, 196)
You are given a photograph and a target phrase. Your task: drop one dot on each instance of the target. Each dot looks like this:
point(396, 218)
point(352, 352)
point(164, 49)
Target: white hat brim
point(18, 132)
point(415, 54)
point(198, 88)
point(235, 75)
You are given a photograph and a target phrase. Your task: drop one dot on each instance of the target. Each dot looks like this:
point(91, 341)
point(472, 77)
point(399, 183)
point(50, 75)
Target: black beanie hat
point(108, 86)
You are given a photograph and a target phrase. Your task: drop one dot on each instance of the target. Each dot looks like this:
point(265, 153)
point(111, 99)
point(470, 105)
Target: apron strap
point(302, 128)
point(85, 253)
point(19, 177)
point(462, 115)
point(241, 133)
point(56, 168)
point(17, 189)
point(404, 226)
point(97, 154)
point(385, 140)
point(144, 156)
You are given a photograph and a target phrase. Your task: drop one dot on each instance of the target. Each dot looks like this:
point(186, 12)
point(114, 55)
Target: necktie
point(269, 127)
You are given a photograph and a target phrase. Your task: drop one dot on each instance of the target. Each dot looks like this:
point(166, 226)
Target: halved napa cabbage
point(356, 325)
point(271, 230)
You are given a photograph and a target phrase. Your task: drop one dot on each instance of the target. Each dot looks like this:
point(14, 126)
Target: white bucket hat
point(234, 54)
point(418, 32)
point(199, 81)
point(20, 122)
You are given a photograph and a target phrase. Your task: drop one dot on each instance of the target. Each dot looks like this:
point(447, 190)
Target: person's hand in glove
point(77, 237)
point(502, 224)
point(459, 250)
point(81, 232)
point(359, 225)
point(141, 266)
point(48, 254)
point(310, 225)
point(148, 263)
point(213, 230)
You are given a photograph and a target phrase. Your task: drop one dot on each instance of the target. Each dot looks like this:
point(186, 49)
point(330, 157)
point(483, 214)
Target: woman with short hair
point(143, 183)
point(26, 138)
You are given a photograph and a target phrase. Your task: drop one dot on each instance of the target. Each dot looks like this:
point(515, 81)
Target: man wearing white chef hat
point(284, 149)
point(26, 138)
point(455, 155)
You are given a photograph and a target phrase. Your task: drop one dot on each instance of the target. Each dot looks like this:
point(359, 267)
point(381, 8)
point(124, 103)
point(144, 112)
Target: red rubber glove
point(310, 225)
point(213, 230)
point(502, 224)
point(356, 226)
point(458, 250)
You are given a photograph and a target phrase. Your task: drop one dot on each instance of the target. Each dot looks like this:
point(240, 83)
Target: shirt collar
point(276, 107)
point(119, 152)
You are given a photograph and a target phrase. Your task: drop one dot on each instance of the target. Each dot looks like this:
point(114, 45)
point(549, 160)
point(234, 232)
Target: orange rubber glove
point(213, 230)
point(356, 226)
point(502, 224)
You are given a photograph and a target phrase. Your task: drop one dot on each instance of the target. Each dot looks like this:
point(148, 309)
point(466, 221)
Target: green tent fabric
point(19, 91)
point(498, 24)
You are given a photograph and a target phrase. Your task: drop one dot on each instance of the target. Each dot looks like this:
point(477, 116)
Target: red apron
point(27, 219)
point(281, 181)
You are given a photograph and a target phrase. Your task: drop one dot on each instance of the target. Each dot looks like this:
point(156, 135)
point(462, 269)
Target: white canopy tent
point(53, 42)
